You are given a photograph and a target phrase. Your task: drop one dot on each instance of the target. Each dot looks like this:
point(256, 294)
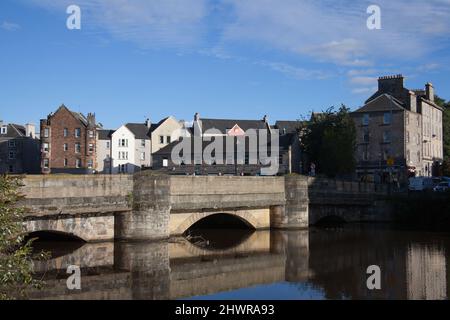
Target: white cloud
point(9, 26)
point(295, 72)
point(151, 24)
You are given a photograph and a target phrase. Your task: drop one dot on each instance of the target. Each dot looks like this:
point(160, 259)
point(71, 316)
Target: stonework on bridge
point(149, 206)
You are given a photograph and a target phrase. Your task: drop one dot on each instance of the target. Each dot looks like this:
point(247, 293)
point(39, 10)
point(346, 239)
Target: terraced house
point(399, 132)
point(68, 142)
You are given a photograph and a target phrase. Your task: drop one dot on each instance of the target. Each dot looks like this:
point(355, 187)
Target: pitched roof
point(225, 124)
point(140, 130)
point(105, 134)
point(288, 126)
point(384, 102)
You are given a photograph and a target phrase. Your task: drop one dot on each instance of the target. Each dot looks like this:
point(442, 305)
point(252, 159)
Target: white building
point(129, 148)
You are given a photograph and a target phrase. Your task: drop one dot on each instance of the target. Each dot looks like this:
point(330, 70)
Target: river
point(319, 263)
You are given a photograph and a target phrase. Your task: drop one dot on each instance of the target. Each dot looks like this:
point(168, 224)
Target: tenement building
point(19, 149)
point(399, 132)
point(68, 142)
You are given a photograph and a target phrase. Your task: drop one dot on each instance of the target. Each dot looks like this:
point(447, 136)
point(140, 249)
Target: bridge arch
point(53, 235)
point(246, 218)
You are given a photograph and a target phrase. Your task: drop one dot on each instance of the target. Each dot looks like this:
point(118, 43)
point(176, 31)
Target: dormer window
point(387, 118)
point(365, 119)
point(4, 130)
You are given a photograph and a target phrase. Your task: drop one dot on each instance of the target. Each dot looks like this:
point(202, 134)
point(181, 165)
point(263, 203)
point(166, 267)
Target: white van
point(421, 183)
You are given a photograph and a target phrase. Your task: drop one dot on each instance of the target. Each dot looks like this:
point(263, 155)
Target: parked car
point(421, 183)
point(442, 187)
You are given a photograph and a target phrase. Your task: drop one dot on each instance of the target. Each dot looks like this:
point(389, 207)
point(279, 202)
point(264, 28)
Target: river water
point(319, 263)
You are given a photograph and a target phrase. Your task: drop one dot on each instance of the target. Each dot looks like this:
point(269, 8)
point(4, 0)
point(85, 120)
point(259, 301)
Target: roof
point(225, 124)
point(288, 126)
point(140, 130)
point(385, 102)
point(105, 134)
point(79, 116)
point(14, 131)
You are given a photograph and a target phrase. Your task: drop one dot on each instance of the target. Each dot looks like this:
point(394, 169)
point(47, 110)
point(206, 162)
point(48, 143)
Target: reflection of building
point(426, 273)
point(398, 130)
point(68, 142)
point(19, 149)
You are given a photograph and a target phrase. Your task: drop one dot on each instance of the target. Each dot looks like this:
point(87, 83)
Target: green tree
point(329, 141)
point(15, 254)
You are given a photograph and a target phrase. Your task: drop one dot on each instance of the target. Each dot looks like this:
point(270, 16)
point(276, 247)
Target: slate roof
point(223, 124)
point(385, 102)
point(140, 130)
point(14, 131)
point(105, 134)
point(288, 126)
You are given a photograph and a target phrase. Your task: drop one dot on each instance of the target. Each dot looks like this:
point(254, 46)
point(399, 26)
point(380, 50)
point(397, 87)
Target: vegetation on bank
point(329, 141)
point(15, 253)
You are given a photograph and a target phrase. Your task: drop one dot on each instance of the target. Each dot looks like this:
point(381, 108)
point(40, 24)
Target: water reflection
point(328, 263)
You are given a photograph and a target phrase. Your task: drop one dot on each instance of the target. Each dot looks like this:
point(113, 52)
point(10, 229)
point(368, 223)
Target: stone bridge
point(149, 206)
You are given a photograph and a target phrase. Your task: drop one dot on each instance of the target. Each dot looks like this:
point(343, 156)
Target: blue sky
point(224, 58)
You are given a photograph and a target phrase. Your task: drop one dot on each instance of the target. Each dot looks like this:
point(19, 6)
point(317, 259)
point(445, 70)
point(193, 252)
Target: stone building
point(399, 132)
point(19, 149)
point(68, 142)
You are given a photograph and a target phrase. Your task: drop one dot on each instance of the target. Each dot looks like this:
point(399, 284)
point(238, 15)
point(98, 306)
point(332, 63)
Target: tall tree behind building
point(330, 141)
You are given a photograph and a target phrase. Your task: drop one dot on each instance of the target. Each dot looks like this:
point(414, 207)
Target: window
point(77, 148)
point(123, 142)
point(142, 143)
point(91, 147)
point(365, 119)
point(165, 162)
point(386, 136)
point(386, 153)
point(46, 132)
point(407, 118)
point(66, 132)
point(12, 155)
point(418, 156)
point(46, 163)
point(90, 163)
point(91, 134)
point(161, 139)
point(408, 156)
point(66, 147)
point(123, 168)
point(418, 120)
point(107, 145)
point(11, 143)
point(407, 137)
point(168, 139)
point(387, 118)
point(65, 162)
point(142, 155)
point(77, 132)
point(366, 136)
point(365, 155)
point(4, 130)
point(123, 155)
point(418, 139)
point(45, 147)
point(78, 163)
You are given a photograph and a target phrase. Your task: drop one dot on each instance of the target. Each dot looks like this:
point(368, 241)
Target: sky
point(139, 59)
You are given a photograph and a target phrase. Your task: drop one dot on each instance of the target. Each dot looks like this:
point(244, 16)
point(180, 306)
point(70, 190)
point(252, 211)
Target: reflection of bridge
point(146, 206)
point(176, 269)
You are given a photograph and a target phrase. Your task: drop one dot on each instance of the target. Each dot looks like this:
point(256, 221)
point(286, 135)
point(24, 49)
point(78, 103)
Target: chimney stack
point(265, 119)
point(391, 84)
point(148, 123)
point(30, 130)
point(429, 92)
point(196, 116)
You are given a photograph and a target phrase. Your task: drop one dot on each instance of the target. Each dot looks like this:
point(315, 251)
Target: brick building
point(68, 142)
point(399, 132)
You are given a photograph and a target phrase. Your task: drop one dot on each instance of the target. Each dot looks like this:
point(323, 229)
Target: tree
point(330, 141)
point(15, 254)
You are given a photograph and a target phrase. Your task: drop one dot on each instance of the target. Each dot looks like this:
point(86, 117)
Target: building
point(219, 141)
point(129, 148)
point(399, 132)
point(104, 161)
point(68, 142)
point(19, 149)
